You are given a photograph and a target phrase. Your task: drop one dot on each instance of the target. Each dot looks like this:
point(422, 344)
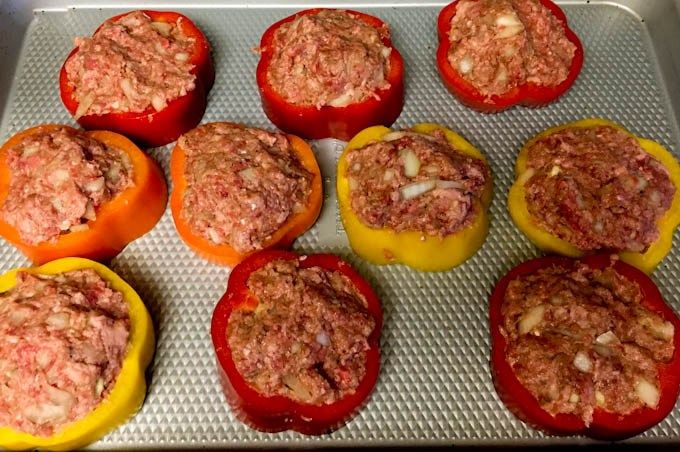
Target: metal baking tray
point(435, 386)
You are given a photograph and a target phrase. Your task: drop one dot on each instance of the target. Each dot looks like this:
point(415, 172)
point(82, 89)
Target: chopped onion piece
point(411, 162)
point(502, 74)
point(297, 387)
point(509, 25)
point(353, 184)
point(555, 170)
point(214, 236)
point(342, 100)
point(447, 184)
point(389, 175)
point(465, 65)
point(430, 169)
point(18, 316)
point(648, 393)
point(95, 185)
point(126, 86)
point(29, 150)
point(416, 189)
point(162, 27)
point(607, 338)
point(45, 412)
point(323, 339)
point(531, 319)
point(574, 398)
point(182, 56)
point(157, 102)
point(99, 387)
point(60, 397)
point(58, 321)
point(90, 213)
point(393, 136)
point(43, 358)
point(79, 227)
point(603, 350)
point(248, 174)
point(84, 105)
point(582, 362)
point(599, 398)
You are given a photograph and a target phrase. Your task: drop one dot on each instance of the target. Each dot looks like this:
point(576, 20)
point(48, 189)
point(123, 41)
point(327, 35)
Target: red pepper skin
point(528, 94)
point(337, 122)
point(605, 425)
point(278, 413)
point(153, 128)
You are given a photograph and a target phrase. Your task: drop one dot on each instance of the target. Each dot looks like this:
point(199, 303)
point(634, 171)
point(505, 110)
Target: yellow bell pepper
point(646, 261)
point(129, 390)
point(413, 248)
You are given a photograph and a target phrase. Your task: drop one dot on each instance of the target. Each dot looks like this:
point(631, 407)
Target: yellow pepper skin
point(413, 248)
point(129, 390)
point(646, 261)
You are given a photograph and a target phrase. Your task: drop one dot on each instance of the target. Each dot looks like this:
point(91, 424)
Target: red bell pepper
point(337, 122)
point(155, 128)
point(604, 425)
point(528, 94)
point(278, 413)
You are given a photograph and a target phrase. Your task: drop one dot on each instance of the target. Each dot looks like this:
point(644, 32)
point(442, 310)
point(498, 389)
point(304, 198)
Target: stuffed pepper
point(145, 74)
point(75, 342)
point(591, 186)
point(494, 54)
point(584, 347)
point(417, 197)
point(65, 192)
point(297, 341)
point(238, 189)
point(330, 73)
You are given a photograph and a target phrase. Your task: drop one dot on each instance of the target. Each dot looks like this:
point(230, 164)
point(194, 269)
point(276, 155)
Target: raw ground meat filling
point(307, 339)
point(413, 181)
point(62, 343)
point(58, 180)
point(130, 65)
point(596, 188)
point(500, 44)
point(328, 58)
point(581, 339)
point(242, 184)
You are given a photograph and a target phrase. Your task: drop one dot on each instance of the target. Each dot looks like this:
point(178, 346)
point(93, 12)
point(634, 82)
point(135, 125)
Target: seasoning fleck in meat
point(307, 338)
point(596, 188)
point(581, 339)
point(58, 180)
point(243, 184)
point(329, 58)
point(62, 343)
point(500, 44)
point(130, 65)
point(415, 182)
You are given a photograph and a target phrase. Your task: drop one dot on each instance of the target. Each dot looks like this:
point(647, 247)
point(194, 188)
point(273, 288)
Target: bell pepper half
point(336, 122)
point(412, 248)
point(129, 390)
point(128, 216)
point(545, 240)
point(605, 425)
point(278, 413)
point(528, 94)
point(295, 226)
point(155, 128)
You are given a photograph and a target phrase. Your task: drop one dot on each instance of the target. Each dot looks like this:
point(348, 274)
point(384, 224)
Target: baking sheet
point(434, 386)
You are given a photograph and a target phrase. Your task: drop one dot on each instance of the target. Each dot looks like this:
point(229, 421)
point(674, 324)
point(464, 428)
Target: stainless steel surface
point(434, 384)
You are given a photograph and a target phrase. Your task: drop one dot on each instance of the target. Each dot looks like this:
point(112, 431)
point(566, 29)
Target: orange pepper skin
point(545, 240)
point(129, 390)
point(295, 226)
point(128, 216)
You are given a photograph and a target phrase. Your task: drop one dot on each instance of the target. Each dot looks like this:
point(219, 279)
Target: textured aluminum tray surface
point(434, 385)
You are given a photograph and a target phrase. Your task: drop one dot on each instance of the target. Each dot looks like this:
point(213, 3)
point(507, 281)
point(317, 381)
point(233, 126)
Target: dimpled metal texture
point(435, 386)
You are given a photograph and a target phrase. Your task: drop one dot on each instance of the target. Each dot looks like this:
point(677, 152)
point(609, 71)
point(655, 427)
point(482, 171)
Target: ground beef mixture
point(307, 338)
point(129, 65)
point(413, 181)
point(62, 343)
point(242, 184)
point(329, 58)
point(58, 180)
point(581, 339)
point(596, 188)
point(497, 45)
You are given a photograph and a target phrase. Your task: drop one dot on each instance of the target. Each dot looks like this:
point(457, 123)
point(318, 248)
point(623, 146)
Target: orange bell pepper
point(128, 216)
point(295, 226)
point(412, 248)
point(545, 240)
point(129, 390)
